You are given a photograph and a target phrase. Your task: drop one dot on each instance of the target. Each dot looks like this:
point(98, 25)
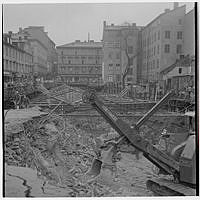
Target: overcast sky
point(68, 22)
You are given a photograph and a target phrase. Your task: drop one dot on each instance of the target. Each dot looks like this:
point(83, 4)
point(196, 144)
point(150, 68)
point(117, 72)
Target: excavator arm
point(157, 157)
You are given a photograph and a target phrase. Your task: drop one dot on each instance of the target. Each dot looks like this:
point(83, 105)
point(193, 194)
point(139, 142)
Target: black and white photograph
point(99, 99)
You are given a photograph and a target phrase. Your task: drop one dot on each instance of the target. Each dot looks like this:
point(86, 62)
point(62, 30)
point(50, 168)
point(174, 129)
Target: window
point(118, 77)
point(117, 65)
point(153, 64)
point(118, 55)
point(154, 37)
point(180, 70)
point(167, 48)
point(158, 49)
point(130, 61)
point(129, 79)
point(130, 49)
point(180, 21)
point(6, 51)
point(82, 62)
point(84, 69)
point(110, 78)
point(179, 48)
point(154, 51)
point(179, 35)
point(69, 61)
point(7, 65)
point(167, 34)
point(157, 63)
point(110, 65)
point(76, 79)
point(158, 35)
point(130, 71)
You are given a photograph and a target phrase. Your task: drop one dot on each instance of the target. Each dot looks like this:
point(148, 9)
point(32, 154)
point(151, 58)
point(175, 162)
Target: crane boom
point(157, 157)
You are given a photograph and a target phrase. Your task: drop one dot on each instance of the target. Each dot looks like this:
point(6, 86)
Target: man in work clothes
point(18, 100)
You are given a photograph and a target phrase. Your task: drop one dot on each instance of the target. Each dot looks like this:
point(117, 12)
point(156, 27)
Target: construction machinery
point(177, 169)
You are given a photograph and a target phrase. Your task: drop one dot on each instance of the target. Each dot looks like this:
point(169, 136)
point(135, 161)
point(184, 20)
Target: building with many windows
point(120, 47)
point(80, 62)
point(40, 51)
point(17, 61)
point(38, 33)
point(162, 42)
point(189, 33)
point(45, 56)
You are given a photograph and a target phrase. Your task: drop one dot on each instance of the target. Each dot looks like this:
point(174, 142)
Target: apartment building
point(80, 62)
point(120, 47)
point(189, 33)
point(39, 50)
point(17, 61)
point(162, 42)
point(38, 33)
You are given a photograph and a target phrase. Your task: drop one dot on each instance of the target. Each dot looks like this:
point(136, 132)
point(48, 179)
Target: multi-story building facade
point(120, 47)
point(38, 33)
point(17, 61)
point(162, 42)
point(80, 62)
point(39, 50)
point(189, 33)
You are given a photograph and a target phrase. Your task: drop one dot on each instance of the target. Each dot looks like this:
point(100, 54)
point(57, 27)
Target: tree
point(129, 58)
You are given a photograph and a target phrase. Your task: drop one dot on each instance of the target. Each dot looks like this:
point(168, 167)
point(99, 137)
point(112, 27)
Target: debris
point(61, 151)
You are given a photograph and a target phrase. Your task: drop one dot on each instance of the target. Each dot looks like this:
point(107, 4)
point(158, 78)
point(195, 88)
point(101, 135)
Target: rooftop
point(186, 61)
point(85, 44)
point(167, 11)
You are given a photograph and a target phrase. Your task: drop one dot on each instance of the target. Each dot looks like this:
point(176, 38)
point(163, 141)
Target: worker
point(25, 101)
point(164, 140)
point(17, 100)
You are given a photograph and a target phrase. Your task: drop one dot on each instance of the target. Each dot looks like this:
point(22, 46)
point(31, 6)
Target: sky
point(68, 22)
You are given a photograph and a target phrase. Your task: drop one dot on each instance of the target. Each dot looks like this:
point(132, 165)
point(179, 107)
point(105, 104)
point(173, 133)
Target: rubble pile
point(60, 151)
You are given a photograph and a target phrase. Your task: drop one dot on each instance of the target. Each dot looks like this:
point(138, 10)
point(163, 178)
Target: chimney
point(175, 5)
point(104, 23)
point(167, 10)
point(134, 24)
point(77, 41)
point(9, 36)
point(20, 29)
point(112, 24)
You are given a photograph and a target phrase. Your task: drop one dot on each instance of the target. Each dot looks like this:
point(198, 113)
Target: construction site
point(71, 142)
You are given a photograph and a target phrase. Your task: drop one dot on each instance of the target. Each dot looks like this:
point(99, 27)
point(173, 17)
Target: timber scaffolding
point(67, 100)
